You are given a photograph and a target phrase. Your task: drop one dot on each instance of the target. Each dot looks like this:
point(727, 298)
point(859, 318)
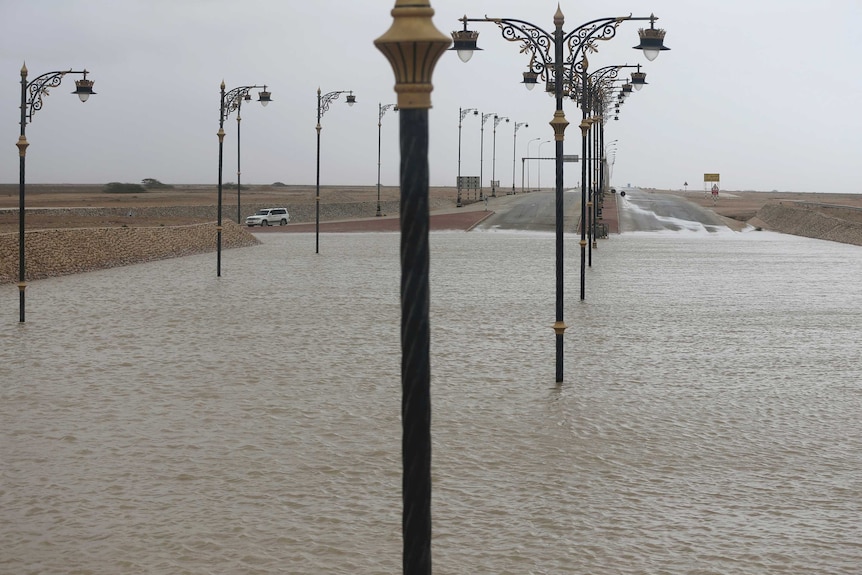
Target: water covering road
point(639, 211)
point(534, 211)
point(642, 211)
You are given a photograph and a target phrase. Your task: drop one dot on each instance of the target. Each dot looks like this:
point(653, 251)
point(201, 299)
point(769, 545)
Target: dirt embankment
point(58, 252)
point(79, 228)
point(821, 221)
point(72, 229)
point(833, 217)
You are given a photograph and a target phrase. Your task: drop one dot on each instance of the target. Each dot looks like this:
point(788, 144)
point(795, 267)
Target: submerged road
point(638, 211)
point(641, 211)
point(536, 211)
point(533, 211)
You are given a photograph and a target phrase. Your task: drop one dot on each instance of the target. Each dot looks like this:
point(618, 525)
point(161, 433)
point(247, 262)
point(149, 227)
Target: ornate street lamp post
point(413, 45)
point(31, 101)
point(482, 152)
point(381, 111)
point(518, 125)
point(228, 102)
point(264, 99)
point(497, 120)
point(539, 159)
point(462, 113)
point(593, 91)
point(529, 171)
point(322, 106)
point(547, 61)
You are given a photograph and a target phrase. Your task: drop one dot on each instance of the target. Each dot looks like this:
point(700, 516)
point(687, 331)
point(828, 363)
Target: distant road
point(641, 211)
point(534, 211)
point(638, 211)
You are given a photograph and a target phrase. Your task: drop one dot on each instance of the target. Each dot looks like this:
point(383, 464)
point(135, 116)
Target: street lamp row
point(548, 61)
point(462, 113)
point(497, 120)
point(413, 45)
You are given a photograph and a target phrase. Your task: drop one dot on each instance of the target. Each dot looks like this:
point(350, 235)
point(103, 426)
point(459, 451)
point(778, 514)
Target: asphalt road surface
point(534, 211)
point(638, 211)
point(641, 211)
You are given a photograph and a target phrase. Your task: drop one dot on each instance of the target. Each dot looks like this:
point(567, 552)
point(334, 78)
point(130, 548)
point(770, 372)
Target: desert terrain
point(94, 196)
point(737, 205)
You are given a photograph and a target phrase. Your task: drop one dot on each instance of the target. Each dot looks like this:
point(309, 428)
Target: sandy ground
point(743, 205)
point(73, 195)
point(736, 205)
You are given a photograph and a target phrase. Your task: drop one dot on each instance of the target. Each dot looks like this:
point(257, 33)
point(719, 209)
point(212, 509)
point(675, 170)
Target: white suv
point(268, 217)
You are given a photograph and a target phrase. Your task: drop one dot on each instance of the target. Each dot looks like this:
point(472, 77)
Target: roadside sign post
point(711, 182)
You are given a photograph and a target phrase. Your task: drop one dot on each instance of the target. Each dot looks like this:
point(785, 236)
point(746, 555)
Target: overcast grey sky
point(764, 92)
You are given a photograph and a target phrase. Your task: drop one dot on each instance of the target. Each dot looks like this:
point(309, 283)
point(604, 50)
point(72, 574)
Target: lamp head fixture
point(84, 88)
point(638, 79)
point(351, 99)
point(263, 97)
point(530, 79)
point(464, 41)
point(652, 40)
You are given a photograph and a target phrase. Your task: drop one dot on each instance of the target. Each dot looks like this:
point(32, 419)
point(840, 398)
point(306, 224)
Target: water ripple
point(158, 419)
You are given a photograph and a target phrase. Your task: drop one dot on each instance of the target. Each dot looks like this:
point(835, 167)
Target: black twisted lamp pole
point(462, 113)
point(31, 101)
point(323, 102)
point(229, 102)
point(413, 45)
point(547, 60)
point(482, 151)
point(381, 111)
point(518, 125)
point(592, 92)
point(264, 99)
point(497, 121)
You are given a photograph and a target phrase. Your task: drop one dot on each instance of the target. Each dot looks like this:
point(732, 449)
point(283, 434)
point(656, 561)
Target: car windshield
point(262, 213)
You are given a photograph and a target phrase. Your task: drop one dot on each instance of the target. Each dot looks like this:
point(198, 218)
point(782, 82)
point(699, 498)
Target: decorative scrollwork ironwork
point(324, 101)
point(383, 110)
point(534, 41)
point(38, 87)
point(583, 39)
point(233, 99)
point(595, 96)
point(466, 112)
point(540, 45)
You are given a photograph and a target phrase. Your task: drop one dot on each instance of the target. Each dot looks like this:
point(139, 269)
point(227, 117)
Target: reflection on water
point(157, 419)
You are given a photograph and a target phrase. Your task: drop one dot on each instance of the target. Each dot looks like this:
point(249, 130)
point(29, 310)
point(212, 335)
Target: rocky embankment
point(58, 252)
point(299, 213)
point(821, 221)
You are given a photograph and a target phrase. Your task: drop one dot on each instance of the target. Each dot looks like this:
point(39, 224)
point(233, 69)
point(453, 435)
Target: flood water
point(157, 419)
